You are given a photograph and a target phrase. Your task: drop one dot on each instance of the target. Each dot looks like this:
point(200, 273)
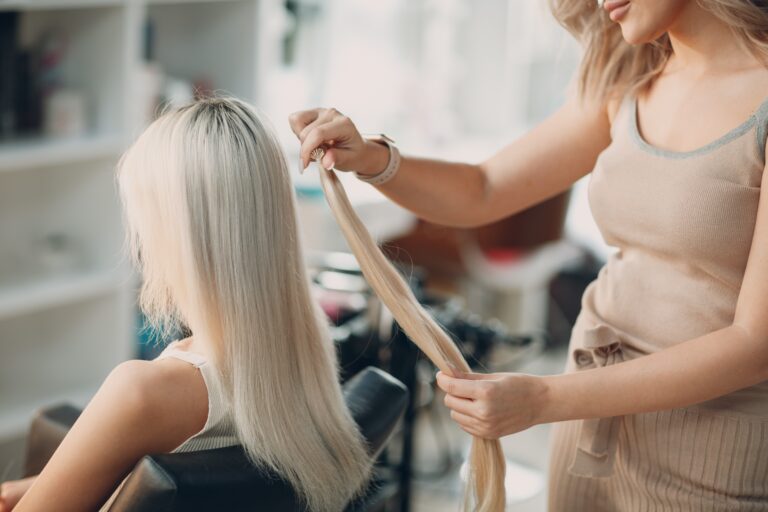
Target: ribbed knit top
point(218, 431)
point(682, 223)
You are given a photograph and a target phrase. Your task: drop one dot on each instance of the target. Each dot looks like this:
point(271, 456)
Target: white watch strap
point(389, 171)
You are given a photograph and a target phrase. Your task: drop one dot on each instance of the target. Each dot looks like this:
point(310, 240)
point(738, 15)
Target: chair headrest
point(376, 401)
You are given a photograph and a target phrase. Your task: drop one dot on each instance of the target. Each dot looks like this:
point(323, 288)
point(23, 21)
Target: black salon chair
point(223, 479)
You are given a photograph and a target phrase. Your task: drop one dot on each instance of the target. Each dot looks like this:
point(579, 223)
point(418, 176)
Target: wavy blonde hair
point(487, 465)
point(611, 67)
point(211, 221)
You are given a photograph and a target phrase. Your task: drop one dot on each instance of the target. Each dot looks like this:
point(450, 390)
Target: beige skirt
point(684, 459)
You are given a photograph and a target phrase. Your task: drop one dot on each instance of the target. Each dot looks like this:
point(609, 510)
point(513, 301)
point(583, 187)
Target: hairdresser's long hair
point(211, 221)
point(611, 67)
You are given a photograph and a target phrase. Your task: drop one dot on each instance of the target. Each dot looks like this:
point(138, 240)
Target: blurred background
point(452, 79)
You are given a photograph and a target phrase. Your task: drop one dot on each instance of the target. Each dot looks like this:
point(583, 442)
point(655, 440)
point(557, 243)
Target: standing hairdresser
point(664, 401)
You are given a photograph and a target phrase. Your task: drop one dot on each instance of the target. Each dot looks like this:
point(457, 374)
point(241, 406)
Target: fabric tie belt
point(596, 446)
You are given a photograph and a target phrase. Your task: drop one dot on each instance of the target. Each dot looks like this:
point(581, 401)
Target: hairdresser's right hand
point(345, 148)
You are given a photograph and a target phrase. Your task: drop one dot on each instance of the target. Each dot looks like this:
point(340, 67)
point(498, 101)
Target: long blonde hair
point(486, 463)
point(611, 67)
point(211, 221)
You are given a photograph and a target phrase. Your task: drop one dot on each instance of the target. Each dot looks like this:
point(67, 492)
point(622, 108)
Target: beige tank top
point(682, 223)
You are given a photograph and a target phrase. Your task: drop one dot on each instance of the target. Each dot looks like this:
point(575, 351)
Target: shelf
point(27, 5)
point(61, 355)
point(35, 153)
point(39, 5)
point(21, 299)
point(61, 334)
point(162, 2)
point(15, 420)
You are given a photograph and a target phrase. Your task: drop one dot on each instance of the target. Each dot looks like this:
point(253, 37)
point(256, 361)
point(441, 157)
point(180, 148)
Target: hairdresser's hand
point(345, 148)
point(494, 405)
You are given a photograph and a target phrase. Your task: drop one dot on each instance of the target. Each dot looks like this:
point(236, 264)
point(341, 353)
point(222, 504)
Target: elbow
point(762, 360)
point(471, 221)
point(467, 204)
point(485, 191)
point(757, 339)
point(464, 220)
point(478, 212)
point(762, 364)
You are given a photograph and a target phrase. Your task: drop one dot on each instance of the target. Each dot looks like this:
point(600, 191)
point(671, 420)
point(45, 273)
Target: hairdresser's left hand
point(496, 404)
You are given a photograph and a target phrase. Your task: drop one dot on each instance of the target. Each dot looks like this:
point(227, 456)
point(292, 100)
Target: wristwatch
point(393, 165)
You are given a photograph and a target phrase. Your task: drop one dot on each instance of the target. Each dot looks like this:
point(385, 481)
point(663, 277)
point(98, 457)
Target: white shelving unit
point(36, 154)
point(49, 293)
point(62, 331)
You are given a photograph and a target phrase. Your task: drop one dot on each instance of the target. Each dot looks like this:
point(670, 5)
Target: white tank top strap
point(192, 358)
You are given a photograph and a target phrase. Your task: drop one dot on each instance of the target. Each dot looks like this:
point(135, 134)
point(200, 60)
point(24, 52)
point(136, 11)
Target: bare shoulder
point(591, 110)
point(170, 394)
point(142, 408)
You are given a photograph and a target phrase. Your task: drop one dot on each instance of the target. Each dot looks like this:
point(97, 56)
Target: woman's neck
point(703, 44)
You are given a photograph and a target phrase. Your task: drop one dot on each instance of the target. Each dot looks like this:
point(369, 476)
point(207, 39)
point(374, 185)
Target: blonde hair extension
point(487, 464)
point(211, 221)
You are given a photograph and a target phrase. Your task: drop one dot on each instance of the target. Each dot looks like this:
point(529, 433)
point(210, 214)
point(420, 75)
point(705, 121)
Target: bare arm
point(141, 408)
point(694, 371)
point(539, 165)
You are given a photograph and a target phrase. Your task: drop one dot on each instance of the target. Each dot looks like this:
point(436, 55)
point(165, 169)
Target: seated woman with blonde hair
point(210, 213)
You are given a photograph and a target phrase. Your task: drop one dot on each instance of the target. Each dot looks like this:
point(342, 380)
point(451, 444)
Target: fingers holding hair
point(324, 116)
point(462, 405)
point(329, 159)
point(325, 134)
point(464, 387)
point(467, 423)
point(301, 119)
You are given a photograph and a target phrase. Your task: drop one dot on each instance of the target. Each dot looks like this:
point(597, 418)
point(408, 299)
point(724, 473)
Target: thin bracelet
point(393, 165)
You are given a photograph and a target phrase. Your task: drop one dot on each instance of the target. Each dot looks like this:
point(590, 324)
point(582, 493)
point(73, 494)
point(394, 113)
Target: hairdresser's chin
point(644, 21)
